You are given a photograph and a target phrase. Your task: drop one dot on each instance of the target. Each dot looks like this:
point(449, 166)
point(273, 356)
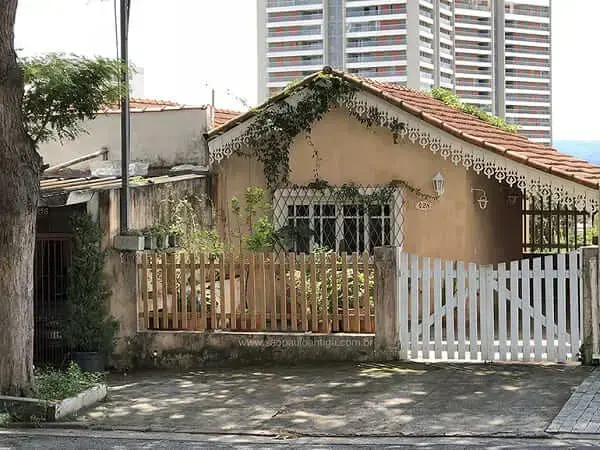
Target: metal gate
point(51, 264)
point(526, 310)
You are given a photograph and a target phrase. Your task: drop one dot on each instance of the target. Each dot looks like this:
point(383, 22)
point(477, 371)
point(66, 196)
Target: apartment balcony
point(545, 56)
point(472, 70)
point(283, 77)
point(278, 3)
point(366, 58)
point(543, 43)
point(445, 23)
point(315, 48)
point(526, 51)
point(477, 81)
point(472, 48)
point(473, 35)
point(472, 23)
point(283, 6)
point(285, 19)
point(295, 23)
point(468, 59)
point(526, 28)
point(527, 76)
point(306, 31)
point(375, 17)
point(526, 25)
point(481, 5)
point(540, 89)
point(521, 97)
point(526, 115)
point(311, 67)
point(352, 12)
point(525, 18)
point(526, 64)
point(375, 48)
point(464, 87)
point(379, 73)
point(445, 7)
point(475, 99)
point(543, 125)
point(375, 30)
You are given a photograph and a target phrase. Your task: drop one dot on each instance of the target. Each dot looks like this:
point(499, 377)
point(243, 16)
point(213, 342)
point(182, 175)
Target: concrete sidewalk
point(343, 400)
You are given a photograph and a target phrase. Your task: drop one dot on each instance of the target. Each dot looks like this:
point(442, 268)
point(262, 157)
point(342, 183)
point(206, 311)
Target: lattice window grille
point(338, 224)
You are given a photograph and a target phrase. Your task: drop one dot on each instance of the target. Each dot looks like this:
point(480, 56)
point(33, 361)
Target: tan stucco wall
point(163, 139)
point(455, 228)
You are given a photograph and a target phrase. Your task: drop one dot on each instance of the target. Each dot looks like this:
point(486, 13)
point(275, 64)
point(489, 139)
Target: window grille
point(311, 218)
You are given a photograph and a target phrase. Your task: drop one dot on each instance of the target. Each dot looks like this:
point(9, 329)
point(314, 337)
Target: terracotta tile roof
point(147, 105)
point(462, 125)
point(222, 116)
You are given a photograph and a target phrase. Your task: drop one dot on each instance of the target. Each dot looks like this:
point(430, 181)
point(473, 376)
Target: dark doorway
point(51, 265)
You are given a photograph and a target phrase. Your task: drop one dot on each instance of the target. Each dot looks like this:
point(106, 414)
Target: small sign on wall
point(424, 205)
point(42, 211)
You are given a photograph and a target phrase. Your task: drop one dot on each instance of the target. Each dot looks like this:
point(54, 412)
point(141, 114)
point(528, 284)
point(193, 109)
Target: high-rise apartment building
point(494, 53)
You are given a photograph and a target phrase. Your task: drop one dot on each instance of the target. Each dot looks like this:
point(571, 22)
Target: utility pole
point(125, 216)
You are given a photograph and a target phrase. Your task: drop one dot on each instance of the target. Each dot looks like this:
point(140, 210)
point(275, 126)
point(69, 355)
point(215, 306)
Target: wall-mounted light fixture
point(438, 184)
point(482, 200)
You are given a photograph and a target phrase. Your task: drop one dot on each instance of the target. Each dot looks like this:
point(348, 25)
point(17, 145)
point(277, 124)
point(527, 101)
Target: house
point(357, 163)
point(167, 142)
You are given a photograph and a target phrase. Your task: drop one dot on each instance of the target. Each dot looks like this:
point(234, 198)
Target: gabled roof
point(455, 122)
point(222, 116)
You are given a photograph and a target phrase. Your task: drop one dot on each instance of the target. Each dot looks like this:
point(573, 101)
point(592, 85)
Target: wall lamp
point(482, 200)
point(438, 184)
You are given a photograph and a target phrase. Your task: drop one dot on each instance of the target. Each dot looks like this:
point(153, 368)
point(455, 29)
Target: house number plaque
point(424, 205)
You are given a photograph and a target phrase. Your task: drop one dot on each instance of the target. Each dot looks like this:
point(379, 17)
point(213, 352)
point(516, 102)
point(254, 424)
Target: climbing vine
point(353, 194)
point(270, 136)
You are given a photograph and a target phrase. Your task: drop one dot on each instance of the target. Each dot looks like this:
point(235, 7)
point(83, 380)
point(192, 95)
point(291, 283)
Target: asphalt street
point(105, 440)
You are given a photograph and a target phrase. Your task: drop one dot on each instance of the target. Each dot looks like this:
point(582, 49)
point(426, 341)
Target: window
point(318, 218)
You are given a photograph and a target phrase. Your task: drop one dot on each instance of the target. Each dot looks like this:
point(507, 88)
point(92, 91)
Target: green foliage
point(263, 236)
point(451, 99)
point(276, 125)
point(204, 241)
point(182, 215)
point(63, 90)
point(254, 218)
point(87, 325)
point(51, 384)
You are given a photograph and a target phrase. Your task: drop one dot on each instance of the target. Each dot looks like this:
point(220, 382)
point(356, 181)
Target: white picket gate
point(526, 310)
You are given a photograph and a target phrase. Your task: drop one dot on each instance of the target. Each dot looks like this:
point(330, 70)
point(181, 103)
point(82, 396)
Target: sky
point(188, 47)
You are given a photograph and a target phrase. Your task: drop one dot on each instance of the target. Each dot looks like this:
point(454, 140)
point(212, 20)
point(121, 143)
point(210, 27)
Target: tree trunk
point(20, 168)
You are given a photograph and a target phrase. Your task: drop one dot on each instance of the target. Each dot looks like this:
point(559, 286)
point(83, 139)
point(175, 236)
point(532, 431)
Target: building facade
point(494, 53)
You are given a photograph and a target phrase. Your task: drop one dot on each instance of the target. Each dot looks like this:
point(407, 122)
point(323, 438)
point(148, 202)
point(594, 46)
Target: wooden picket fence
point(521, 311)
point(256, 292)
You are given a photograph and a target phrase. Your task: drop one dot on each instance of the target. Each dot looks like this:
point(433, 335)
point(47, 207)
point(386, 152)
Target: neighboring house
point(479, 216)
point(164, 135)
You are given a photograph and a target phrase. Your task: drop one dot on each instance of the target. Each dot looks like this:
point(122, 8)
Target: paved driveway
point(344, 399)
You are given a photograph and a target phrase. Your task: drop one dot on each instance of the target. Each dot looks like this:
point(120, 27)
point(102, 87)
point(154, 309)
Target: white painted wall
point(162, 138)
